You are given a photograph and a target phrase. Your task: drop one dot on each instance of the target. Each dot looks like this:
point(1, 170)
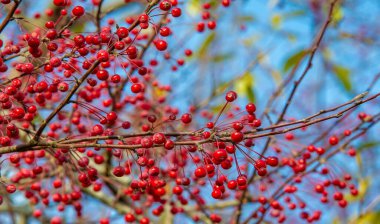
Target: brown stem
point(9, 16)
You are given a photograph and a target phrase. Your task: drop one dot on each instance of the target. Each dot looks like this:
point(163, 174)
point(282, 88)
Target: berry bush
point(169, 111)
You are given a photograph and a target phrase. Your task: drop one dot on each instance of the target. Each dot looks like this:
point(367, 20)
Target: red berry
point(159, 138)
point(78, 11)
point(200, 172)
point(250, 108)
point(186, 118)
point(232, 184)
point(333, 140)
point(217, 194)
point(11, 188)
point(220, 155)
point(271, 161)
point(136, 87)
point(231, 96)
point(129, 217)
point(237, 136)
point(161, 45)
point(60, 2)
point(165, 5)
point(176, 12)
point(122, 32)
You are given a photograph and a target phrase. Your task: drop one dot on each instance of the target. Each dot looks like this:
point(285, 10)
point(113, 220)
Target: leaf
point(294, 13)
point(367, 218)
point(222, 87)
point(337, 15)
point(248, 42)
point(194, 7)
point(222, 57)
point(294, 59)
point(343, 74)
point(244, 86)
point(367, 145)
point(276, 21)
point(218, 108)
point(245, 18)
point(206, 45)
point(363, 187)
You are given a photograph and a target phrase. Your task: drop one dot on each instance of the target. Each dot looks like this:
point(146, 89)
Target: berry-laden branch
point(221, 136)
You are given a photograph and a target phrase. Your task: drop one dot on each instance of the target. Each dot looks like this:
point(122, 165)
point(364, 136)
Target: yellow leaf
point(194, 7)
point(363, 187)
point(244, 86)
point(276, 21)
point(337, 15)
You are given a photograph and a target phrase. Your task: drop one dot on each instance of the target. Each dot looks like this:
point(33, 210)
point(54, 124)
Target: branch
point(9, 16)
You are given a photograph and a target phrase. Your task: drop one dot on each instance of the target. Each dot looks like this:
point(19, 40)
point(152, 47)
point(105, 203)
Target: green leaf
point(245, 18)
point(294, 59)
point(244, 86)
point(222, 57)
point(343, 74)
point(367, 145)
point(206, 45)
point(295, 13)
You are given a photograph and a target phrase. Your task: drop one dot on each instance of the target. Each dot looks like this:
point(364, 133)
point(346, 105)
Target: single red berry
point(112, 116)
point(231, 96)
point(241, 181)
point(250, 108)
point(333, 140)
point(136, 87)
point(271, 161)
point(237, 136)
point(217, 194)
point(169, 144)
point(165, 5)
point(200, 172)
point(230, 149)
point(210, 125)
point(122, 32)
point(220, 155)
point(78, 11)
point(177, 190)
point(232, 184)
point(11, 188)
point(211, 25)
point(186, 118)
point(161, 45)
point(129, 217)
point(60, 2)
point(256, 123)
point(159, 138)
point(176, 12)
point(144, 18)
point(118, 171)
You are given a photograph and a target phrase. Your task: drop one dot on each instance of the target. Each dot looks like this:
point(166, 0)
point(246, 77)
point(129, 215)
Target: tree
point(163, 110)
